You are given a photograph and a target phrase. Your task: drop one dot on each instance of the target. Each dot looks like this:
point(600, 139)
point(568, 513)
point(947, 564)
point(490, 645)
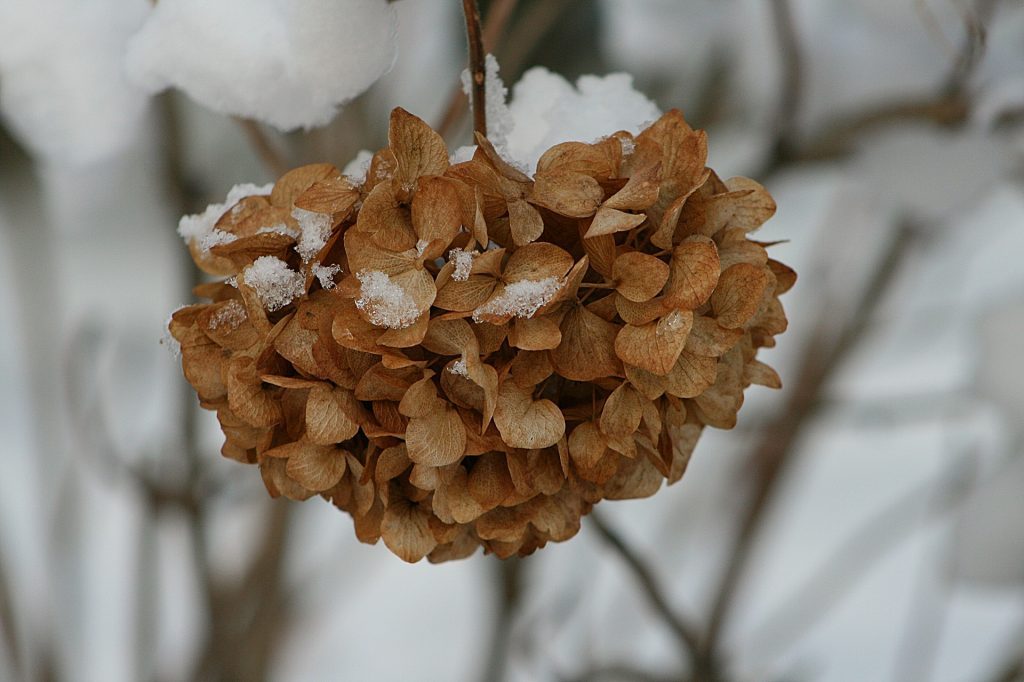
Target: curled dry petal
point(525, 422)
point(437, 438)
point(693, 275)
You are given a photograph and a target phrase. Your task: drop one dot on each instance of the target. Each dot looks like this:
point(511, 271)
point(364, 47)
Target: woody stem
point(476, 64)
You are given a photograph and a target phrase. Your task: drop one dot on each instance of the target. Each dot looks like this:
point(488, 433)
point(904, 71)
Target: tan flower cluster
point(460, 355)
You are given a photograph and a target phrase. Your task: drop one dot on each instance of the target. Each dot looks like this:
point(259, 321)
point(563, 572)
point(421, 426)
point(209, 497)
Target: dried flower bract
point(490, 354)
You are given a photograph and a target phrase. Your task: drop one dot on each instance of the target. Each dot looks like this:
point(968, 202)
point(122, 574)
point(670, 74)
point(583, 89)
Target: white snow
point(522, 298)
point(326, 274)
point(316, 229)
point(459, 367)
point(289, 64)
point(384, 302)
point(64, 94)
point(280, 228)
point(231, 314)
point(499, 120)
point(214, 238)
point(274, 282)
point(421, 246)
point(463, 261)
point(546, 109)
point(199, 227)
point(356, 169)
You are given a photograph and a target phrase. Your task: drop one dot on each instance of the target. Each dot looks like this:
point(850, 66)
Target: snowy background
point(891, 542)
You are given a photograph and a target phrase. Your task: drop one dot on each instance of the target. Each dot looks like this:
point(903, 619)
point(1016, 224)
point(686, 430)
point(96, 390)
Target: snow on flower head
point(384, 302)
point(316, 229)
point(200, 226)
point(274, 282)
point(289, 64)
point(546, 109)
point(463, 261)
point(521, 299)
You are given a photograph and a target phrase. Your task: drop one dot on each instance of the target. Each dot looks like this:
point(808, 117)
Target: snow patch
point(463, 261)
point(274, 282)
point(289, 64)
point(384, 302)
point(326, 274)
point(200, 226)
point(316, 230)
point(546, 110)
point(356, 169)
point(459, 367)
point(521, 299)
point(232, 314)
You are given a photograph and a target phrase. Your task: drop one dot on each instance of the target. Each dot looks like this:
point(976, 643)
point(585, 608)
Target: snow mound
point(289, 64)
point(521, 299)
point(274, 282)
point(64, 93)
point(384, 302)
point(546, 110)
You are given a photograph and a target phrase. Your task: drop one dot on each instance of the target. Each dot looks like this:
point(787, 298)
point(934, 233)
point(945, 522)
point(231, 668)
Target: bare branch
point(477, 70)
point(772, 456)
point(260, 143)
point(685, 632)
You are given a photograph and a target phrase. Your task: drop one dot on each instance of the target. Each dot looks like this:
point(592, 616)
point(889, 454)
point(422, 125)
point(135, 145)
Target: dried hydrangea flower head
point(463, 355)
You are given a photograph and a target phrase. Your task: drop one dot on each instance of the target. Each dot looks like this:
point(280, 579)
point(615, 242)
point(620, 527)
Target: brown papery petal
point(640, 192)
point(691, 375)
point(535, 333)
point(576, 156)
point(738, 295)
point(754, 208)
point(332, 415)
point(317, 468)
point(524, 422)
point(567, 193)
point(693, 273)
point(639, 276)
point(587, 348)
point(524, 222)
point(640, 313)
point(537, 261)
point(490, 482)
point(296, 181)
point(655, 346)
point(246, 395)
point(609, 221)
point(437, 439)
point(335, 196)
point(709, 339)
point(435, 214)
point(417, 148)
point(622, 412)
point(421, 398)
point(405, 529)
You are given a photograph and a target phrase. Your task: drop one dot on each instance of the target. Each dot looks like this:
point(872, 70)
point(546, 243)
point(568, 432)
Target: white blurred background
point(865, 523)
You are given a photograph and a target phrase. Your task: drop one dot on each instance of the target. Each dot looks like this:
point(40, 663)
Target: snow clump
point(274, 282)
point(289, 64)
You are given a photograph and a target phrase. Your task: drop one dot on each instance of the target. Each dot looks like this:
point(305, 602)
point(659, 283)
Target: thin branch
point(509, 588)
point(477, 71)
point(494, 29)
point(268, 154)
point(684, 631)
point(619, 673)
point(791, 87)
point(776, 450)
point(9, 622)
